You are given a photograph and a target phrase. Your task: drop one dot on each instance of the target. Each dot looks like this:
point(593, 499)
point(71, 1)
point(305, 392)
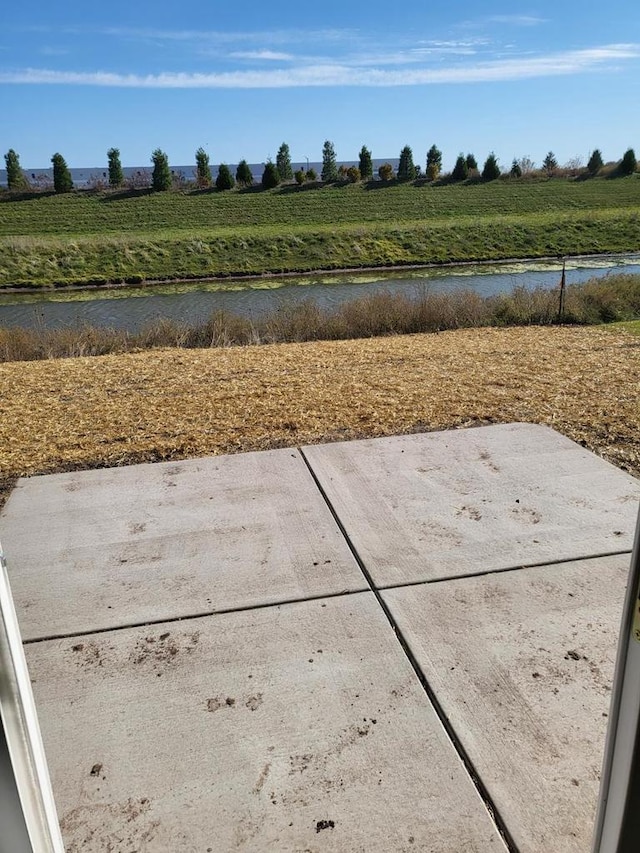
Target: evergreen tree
point(628, 164)
point(270, 176)
point(161, 176)
point(283, 163)
point(329, 167)
point(244, 175)
point(365, 165)
point(550, 164)
point(434, 160)
point(203, 169)
point(460, 170)
point(516, 169)
point(595, 163)
point(224, 181)
point(62, 181)
point(116, 177)
point(471, 162)
point(491, 170)
point(406, 167)
point(15, 178)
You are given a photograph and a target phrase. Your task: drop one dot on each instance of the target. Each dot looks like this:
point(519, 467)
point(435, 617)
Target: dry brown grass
point(168, 404)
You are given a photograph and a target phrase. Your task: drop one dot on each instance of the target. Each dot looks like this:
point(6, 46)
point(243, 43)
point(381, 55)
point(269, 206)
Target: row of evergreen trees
point(282, 170)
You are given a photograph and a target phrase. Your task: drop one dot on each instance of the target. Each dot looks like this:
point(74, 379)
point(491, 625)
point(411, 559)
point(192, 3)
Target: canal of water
point(189, 302)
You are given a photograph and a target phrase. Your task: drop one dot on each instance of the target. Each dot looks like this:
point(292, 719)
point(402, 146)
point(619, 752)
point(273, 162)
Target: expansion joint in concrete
point(168, 620)
point(451, 733)
point(505, 570)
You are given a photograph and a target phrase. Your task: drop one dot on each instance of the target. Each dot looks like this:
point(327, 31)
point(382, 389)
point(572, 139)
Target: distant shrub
point(178, 180)
point(516, 169)
point(62, 181)
point(365, 164)
point(161, 177)
point(312, 175)
point(595, 163)
point(97, 183)
point(460, 170)
point(385, 172)
point(203, 169)
point(433, 172)
point(550, 164)
point(491, 170)
point(353, 174)
point(573, 167)
point(15, 177)
point(244, 175)
point(406, 167)
point(300, 177)
point(116, 176)
point(434, 159)
point(270, 176)
point(283, 163)
point(526, 164)
point(329, 167)
point(138, 180)
point(224, 180)
point(628, 164)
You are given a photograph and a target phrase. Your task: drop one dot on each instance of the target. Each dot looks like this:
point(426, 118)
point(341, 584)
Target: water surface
point(189, 302)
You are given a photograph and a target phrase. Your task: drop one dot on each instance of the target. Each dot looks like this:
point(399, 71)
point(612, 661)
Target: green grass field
point(631, 326)
point(88, 237)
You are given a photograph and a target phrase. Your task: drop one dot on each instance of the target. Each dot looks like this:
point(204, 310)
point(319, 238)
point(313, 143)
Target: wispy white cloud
point(484, 22)
point(455, 44)
point(268, 55)
point(269, 37)
point(407, 57)
point(339, 74)
point(516, 20)
point(376, 58)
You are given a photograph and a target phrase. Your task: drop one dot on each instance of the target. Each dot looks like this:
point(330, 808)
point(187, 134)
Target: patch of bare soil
point(77, 413)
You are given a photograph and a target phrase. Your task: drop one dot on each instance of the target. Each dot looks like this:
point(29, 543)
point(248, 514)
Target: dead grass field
point(169, 404)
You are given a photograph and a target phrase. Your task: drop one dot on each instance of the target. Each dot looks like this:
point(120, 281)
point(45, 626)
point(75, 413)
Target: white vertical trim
point(22, 732)
point(624, 725)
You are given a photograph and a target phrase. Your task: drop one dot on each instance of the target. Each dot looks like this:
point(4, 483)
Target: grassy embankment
point(94, 238)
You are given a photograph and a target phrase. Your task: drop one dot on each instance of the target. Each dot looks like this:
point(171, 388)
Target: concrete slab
point(97, 549)
point(522, 665)
point(299, 727)
point(420, 507)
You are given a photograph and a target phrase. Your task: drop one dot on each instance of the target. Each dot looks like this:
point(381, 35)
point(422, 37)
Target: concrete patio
point(399, 644)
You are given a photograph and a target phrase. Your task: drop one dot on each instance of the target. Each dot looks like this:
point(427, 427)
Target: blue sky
point(518, 79)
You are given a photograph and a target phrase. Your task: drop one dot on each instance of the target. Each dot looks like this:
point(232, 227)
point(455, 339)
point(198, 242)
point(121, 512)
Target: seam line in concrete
point(190, 616)
point(518, 568)
point(479, 785)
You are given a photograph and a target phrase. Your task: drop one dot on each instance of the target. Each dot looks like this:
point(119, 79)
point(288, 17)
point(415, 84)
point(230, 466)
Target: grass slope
point(99, 237)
